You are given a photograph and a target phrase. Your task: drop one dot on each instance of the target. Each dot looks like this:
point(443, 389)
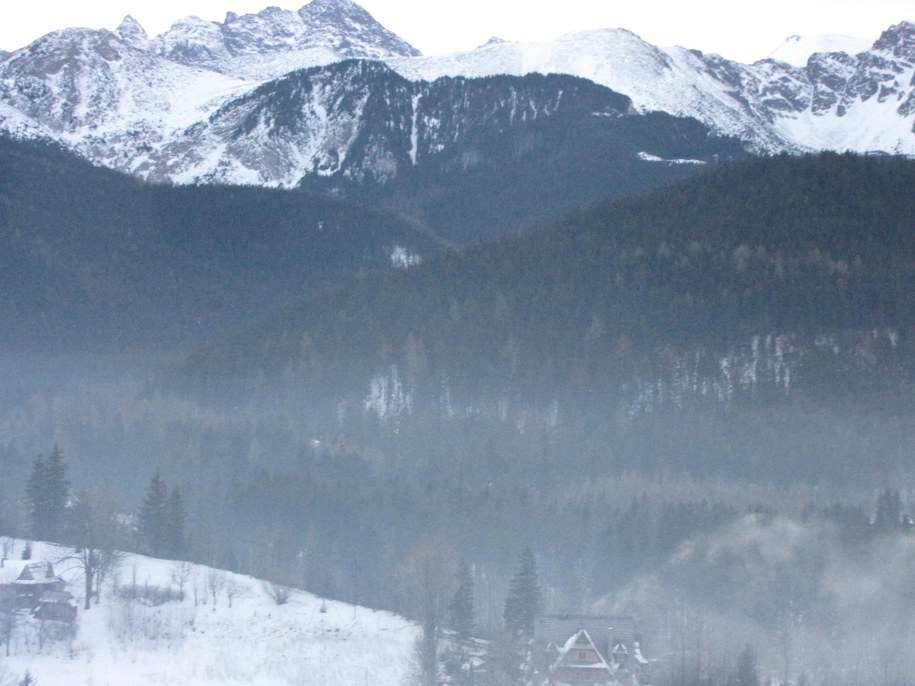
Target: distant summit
point(335, 29)
point(796, 50)
point(495, 40)
point(130, 31)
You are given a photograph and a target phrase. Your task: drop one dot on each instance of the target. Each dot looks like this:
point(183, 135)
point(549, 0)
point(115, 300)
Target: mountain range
point(264, 99)
point(363, 305)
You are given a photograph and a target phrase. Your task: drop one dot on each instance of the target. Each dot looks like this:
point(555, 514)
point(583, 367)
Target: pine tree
point(461, 608)
point(152, 519)
point(525, 599)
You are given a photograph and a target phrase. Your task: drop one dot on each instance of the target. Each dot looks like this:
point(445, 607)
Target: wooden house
point(612, 639)
point(55, 605)
point(579, 663)
point(26, 580)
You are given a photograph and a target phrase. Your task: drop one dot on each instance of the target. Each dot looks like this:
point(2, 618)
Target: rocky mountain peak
point(131, 32)
point(899, 40)
point(337, 27)
point(193, 41)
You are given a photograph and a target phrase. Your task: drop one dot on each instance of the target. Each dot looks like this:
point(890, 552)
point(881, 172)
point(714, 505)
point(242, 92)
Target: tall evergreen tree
point(175, 525)
point(461, 607)
point(152, 518)
point(46, 494)
point(35, 497)
point(747, 674)
point(525, 598)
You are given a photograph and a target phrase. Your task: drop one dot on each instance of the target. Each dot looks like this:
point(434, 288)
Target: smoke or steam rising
point(812, 599)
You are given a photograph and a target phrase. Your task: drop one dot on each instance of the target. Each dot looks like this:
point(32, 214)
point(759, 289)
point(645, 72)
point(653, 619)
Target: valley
point(408, 333)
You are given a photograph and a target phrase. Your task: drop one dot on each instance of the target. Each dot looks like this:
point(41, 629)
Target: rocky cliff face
point(255, 45)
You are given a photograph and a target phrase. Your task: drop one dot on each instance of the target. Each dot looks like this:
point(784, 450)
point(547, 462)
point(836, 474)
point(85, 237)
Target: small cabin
point(55, 605)
point(26, 580)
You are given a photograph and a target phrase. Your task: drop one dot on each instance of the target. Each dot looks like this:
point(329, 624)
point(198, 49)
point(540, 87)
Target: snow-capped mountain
point(358, 120)
point(96, 94)
point(112, 98)
point(228, 102)
point(837, 101)
point(275, 41)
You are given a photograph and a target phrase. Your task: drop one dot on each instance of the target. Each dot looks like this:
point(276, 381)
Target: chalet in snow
point(34, 586)
point(588, 650)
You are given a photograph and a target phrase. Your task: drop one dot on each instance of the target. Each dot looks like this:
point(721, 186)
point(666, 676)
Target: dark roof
point(56, 597)
point(36, 571)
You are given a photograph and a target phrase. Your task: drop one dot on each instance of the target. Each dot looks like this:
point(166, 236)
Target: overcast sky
point(740, 31)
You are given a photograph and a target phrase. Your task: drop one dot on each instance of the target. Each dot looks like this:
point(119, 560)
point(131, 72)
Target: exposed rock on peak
point(899, 40)
point(131, 32)
point(337, 28)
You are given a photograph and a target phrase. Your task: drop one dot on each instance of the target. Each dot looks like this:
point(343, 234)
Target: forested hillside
point(739, 340)
point(803, 264)
point(693, 404)
point(93, 259)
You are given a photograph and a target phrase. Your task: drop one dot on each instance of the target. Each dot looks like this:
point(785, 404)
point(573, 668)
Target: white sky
point(740, 31)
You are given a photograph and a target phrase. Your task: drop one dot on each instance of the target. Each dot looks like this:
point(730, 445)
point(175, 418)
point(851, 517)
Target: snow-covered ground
point(242, 638)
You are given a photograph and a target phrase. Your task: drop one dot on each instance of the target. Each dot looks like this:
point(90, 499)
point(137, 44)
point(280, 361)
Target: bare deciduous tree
point(231, 591)
point(181, 574)
point(216, 581)
point(7, 616)
point(7, 546)
point(94, 537)
point(279, 593)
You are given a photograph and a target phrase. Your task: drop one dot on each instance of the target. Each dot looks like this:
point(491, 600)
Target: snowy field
point(143, 633)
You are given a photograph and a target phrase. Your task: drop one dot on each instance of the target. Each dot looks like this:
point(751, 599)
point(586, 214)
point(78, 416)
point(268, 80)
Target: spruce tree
point(152, 518)
point(461, 607)
point(46, 494)
point(35, 498)
point(525, 599)
point(58, 492)
point(175, 525)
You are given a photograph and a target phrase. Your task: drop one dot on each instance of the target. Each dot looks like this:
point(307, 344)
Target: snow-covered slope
point(149, 636)
point(796, 50)
point(772, 104)
point(194, 104)
point(98, 95)
point(276, 41)
point(361, 121)
point(676, 81)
